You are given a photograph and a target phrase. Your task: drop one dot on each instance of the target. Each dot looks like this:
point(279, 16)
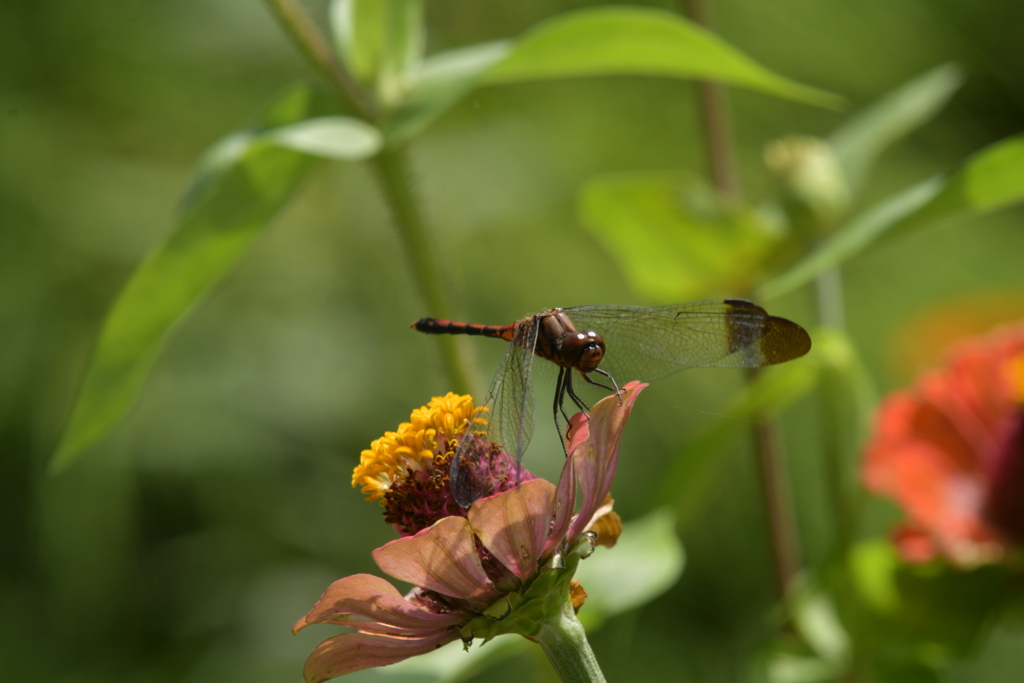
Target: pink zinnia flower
point(492, 569)
point(950, 453)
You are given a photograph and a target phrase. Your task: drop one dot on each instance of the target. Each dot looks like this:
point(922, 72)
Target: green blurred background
point(184, 546)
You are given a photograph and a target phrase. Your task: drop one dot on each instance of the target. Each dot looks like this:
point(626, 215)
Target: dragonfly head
point(583, 350)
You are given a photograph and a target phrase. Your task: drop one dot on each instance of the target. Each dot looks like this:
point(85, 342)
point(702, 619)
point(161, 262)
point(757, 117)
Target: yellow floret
point(413, 446)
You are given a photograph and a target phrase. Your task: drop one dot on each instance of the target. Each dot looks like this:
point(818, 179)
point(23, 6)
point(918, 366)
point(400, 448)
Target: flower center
point(411, 449)
point(407, 471)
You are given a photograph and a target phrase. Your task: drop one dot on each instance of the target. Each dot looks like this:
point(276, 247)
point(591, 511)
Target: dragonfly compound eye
point(584, 350)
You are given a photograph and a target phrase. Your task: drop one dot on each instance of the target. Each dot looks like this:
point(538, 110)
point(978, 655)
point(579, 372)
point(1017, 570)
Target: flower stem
point(392, 174)
point(714, 114)
point(565, 643)
point(829, 287)
point(774, 483)
point(831, 310)
point(714, 107)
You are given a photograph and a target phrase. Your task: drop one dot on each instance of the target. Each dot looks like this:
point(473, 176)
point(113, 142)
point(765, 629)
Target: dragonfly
point(642, 344)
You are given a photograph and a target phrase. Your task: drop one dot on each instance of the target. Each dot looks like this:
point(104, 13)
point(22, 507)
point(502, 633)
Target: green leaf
point(331, 137)
point(647, 561)
point(818, 647)
point(774, 390)
point(357, 31)
point(785, 667)
point(442, 70)
point(671, 237)
point(640, 42)
point(926, 607)
point(817, 621)
point(241, 184)
point(853, 238)
point(451, 663)
point(902, 671)
point(860, 141)
point(626, 41)
point(873, 565)
point(380, 41)
point(991, 179)
point(437, 84)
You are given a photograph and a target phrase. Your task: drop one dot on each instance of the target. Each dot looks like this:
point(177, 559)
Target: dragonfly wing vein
point(650, 343)
point(509, 410)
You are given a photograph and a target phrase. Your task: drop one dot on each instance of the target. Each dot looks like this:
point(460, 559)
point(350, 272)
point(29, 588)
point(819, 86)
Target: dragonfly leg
point(614, 387)
point(580, 403)
point(560, 387)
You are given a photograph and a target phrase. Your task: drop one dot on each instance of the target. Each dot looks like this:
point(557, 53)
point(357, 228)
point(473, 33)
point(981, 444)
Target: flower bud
point(815, 194)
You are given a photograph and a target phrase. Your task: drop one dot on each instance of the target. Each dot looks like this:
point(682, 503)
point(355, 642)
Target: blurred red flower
point(950, 452)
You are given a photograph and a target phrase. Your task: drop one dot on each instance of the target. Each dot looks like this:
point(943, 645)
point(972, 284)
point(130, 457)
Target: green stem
point(565, 643)
point(831, 311)
point(714, 107)
point(829, 288)
point(318, 51)
point(393, 177)
point(393, 174)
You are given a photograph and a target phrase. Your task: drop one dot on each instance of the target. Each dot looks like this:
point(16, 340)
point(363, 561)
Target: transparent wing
point(650, 343)
point(509, 415)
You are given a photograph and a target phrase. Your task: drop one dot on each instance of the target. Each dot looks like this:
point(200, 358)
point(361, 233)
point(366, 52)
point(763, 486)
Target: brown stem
point(775, 485)
point(715, 118)
point(714, 108)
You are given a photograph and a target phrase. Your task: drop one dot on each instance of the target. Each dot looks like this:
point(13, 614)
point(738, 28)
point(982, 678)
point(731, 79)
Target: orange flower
point(950, 452)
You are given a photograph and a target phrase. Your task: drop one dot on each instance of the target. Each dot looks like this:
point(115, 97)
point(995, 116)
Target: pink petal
point(514, 525)
point(371, 604)
point(597, 456)
point(565, 497)
point(578, 431)
point(441, 558)
point(350, 652)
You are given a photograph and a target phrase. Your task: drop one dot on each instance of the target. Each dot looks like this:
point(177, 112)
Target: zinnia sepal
point(545, 612)
point(525, 612)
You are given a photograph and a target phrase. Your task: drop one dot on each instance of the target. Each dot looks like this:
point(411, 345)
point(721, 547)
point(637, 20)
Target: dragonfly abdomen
point(441, 326)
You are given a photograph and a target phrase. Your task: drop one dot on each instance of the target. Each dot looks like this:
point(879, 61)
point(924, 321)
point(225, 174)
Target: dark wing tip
point(767, 339)
point(743, 305)
point(783, 340)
